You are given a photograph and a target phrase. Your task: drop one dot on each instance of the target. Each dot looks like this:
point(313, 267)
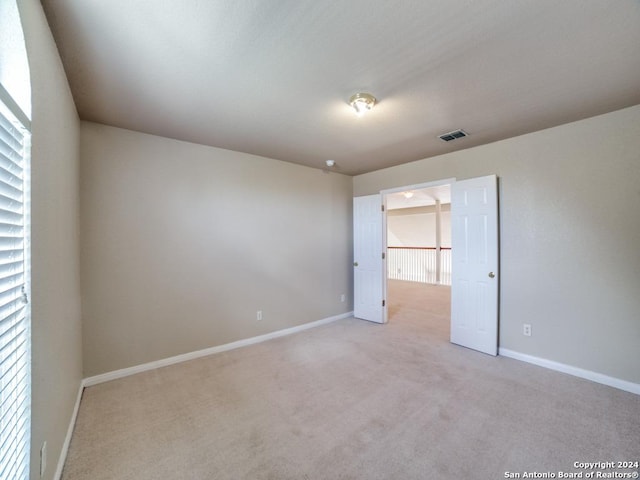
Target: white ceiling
point(273, 77)
point(421, 197)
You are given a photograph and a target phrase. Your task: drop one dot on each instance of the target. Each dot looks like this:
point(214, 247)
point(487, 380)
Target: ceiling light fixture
point(407, 195)
point(330, 163)
point(362, 102)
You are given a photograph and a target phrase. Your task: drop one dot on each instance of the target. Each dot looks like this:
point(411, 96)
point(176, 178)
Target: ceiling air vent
point(447, 137)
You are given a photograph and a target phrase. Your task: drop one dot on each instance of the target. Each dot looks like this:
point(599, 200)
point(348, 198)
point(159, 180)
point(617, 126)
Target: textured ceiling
point(273, 77)
point(420, 197)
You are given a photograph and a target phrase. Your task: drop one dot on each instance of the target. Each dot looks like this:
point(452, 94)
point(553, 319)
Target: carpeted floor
point(352, 400)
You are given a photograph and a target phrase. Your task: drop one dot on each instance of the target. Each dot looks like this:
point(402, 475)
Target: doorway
point(418, 253)
point(474, 266)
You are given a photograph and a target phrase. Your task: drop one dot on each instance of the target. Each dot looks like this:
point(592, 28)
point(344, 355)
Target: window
point(15, 338)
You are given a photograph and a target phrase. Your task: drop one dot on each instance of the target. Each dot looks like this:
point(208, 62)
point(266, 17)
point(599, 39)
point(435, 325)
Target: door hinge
point(383, 303)
point(383, 255)
point(382, 207)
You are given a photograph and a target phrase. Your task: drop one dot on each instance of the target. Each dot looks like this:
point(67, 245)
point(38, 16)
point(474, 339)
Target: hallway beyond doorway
point(414, 302)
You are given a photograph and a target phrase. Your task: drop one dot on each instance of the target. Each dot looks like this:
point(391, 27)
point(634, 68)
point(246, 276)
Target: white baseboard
point(67, 440)
point(125, 372)
point(575, 371)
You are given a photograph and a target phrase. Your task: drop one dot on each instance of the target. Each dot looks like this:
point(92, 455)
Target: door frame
point(383, 194)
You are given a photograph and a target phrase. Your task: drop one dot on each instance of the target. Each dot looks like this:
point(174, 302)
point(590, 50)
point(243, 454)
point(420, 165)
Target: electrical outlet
point(342, 297)
point(43, 458)
point(259, 315)
point(526, 330)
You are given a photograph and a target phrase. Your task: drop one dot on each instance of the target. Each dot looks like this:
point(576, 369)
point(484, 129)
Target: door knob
point(492, 275)
point(355, 264)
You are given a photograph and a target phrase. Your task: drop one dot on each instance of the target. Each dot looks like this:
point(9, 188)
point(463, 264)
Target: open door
point(368, 302)
point(474, 283)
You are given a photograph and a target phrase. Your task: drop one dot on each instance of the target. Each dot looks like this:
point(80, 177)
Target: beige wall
point(408, 228)
point(182, 244)
point(56, 331)
point(569, 233)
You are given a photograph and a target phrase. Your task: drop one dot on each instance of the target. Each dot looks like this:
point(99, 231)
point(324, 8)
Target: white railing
point(419, 264)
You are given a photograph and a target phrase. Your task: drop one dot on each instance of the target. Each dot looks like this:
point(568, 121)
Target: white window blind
point(15, 338)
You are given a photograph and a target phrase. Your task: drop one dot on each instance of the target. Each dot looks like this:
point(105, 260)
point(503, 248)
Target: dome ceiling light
point(362, 102)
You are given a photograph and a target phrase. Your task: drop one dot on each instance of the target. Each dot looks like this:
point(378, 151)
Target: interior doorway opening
point(418, 252)
point(474, 268)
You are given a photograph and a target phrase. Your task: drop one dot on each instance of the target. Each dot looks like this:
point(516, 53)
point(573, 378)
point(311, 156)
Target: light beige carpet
point(352, 400)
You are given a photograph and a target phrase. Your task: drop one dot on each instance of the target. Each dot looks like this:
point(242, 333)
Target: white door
point(367, 258)
point(474, 282)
